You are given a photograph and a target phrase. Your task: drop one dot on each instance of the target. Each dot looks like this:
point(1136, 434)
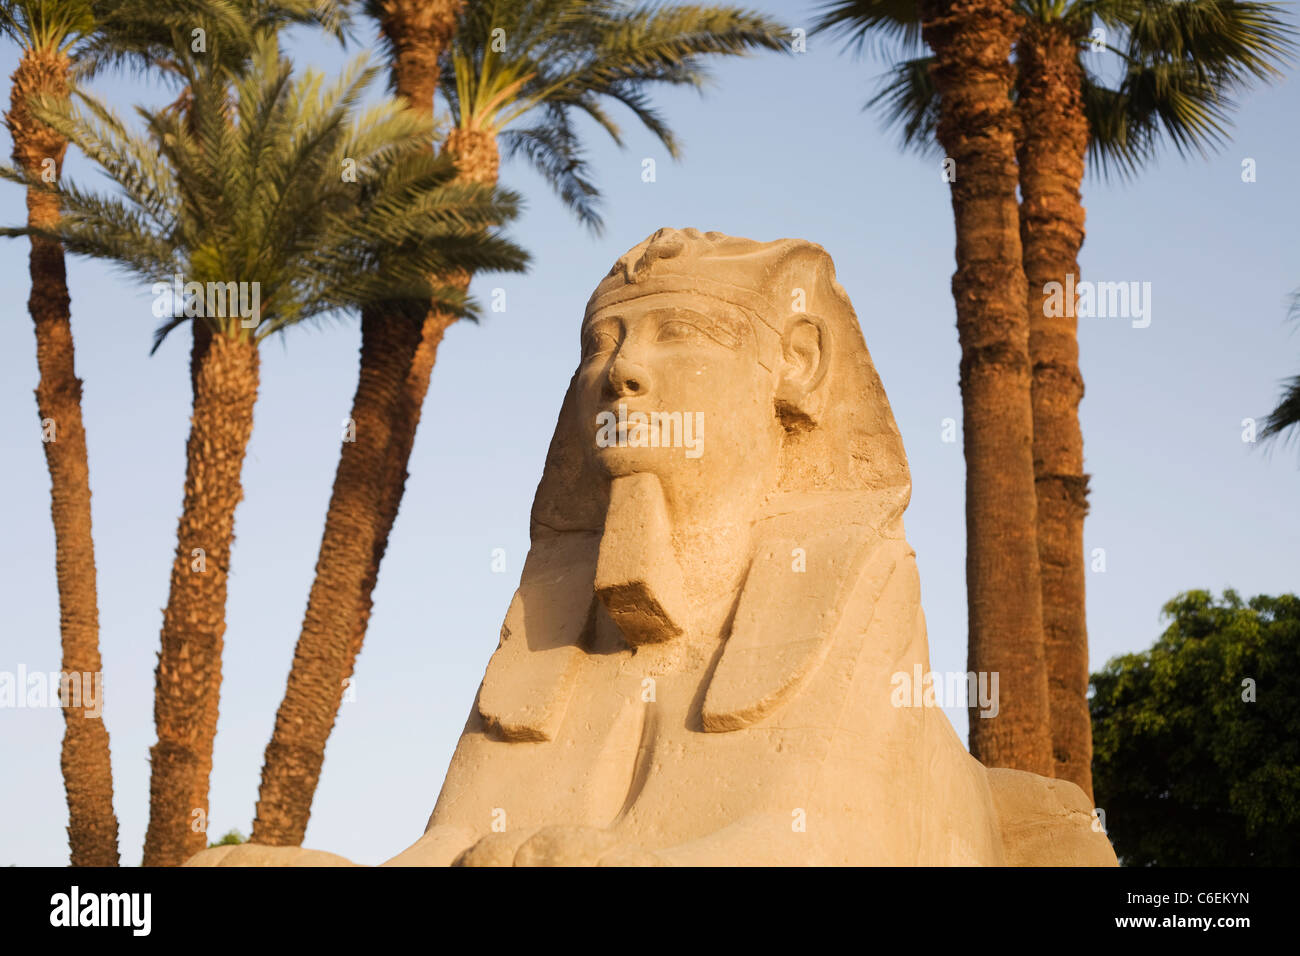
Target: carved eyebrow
point(727, 330)
point(723, 330)
point(599, 318)
point(601, 322)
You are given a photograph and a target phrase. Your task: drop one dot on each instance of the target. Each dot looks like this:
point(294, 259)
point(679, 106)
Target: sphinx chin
point(618, 462)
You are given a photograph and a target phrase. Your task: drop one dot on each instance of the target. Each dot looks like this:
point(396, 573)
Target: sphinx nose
point(627, 379)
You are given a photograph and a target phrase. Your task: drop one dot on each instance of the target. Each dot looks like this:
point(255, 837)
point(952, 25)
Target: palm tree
point(976, 124)
point(64, 42)
point(967, 114)
point(1177, 61)
point(520, 89)
point(143, 38)
point(46, 33)
point(256, 198)
point(1181, 61)
point(1050, 150)
point(415, 34)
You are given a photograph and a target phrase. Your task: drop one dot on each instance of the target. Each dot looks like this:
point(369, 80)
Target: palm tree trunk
point(85, 760)
point(397, 355)
point(325, 653)
point(972, 41)
point(188, 677)
point(477, 161)
point(1053, 141)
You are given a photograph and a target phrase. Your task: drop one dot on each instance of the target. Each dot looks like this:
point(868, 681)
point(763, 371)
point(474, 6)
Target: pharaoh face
point(671, 383)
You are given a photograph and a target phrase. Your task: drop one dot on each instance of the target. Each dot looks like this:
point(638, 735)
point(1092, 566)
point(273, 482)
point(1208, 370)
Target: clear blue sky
point(779, 147)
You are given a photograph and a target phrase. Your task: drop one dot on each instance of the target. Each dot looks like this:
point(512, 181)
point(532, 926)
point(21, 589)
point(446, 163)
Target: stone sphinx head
point(757, 347)
point(687, 332)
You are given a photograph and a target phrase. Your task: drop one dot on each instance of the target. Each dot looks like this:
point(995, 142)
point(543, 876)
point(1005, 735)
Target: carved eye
point(597, 341)
point(675, 330)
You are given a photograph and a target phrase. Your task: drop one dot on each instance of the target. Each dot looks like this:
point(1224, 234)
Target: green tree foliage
point(1197, 740)
point(232, 838)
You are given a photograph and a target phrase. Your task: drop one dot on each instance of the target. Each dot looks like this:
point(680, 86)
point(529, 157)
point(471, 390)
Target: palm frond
point(541, 62)
point(1285, 418)
point(156, 35)
point(1226, 41)
point(47, 25)
point(554, 150)
point(910, 104)
point(1182, 63)
point(285, 182)
point(889, 28)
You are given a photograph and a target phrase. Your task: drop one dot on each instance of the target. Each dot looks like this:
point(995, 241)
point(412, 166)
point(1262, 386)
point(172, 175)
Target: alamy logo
point(651, 430)
point(103, 909)
point(1100, 300)
point(217, 300)
point(951, 689)
point(54, 689)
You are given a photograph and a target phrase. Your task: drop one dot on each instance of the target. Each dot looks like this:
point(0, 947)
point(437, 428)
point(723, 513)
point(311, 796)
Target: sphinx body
point(731, 754)
point(697, 666)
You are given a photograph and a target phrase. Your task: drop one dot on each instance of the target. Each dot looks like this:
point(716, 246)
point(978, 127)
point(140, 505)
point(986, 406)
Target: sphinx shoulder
point(1046, 822)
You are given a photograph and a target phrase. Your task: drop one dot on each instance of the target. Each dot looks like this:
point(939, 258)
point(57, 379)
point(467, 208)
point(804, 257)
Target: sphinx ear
point(805, 352)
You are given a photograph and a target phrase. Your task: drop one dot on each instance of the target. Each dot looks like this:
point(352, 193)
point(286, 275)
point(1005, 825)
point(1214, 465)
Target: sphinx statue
point(697, 667)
